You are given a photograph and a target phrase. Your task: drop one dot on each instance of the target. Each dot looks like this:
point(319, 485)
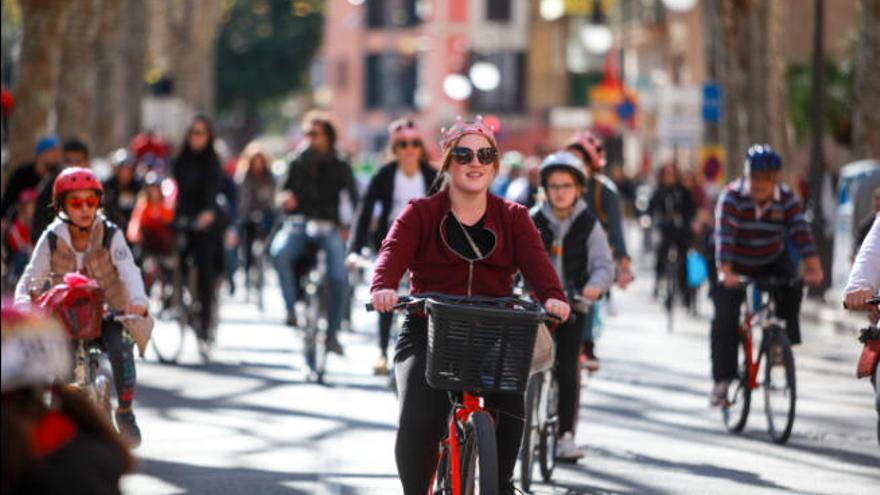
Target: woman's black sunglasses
point(415, 143)
point(463, 156)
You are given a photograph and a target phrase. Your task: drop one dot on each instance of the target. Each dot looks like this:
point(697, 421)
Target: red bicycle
point(476, 345)
point(779, 384)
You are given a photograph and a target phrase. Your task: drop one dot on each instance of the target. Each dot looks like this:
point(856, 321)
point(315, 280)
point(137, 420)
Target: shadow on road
point(228, 481)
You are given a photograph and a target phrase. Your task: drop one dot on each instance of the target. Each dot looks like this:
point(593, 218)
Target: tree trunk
point(732, 75)
point(76, 97)
point(109, 68)
point(866, 118)
point(193, 28)
point(36, 76)
point(135, 63)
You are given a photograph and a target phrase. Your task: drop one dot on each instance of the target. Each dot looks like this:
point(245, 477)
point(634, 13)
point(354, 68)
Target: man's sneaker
point(566, 449)
point(334, 346)
point(381, 366)
point(718, 396)
point(291, 320)
point(591, 362)
point(128, 428)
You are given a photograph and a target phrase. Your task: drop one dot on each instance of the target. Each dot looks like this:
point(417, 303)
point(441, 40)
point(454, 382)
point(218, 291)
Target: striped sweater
point(751, 237)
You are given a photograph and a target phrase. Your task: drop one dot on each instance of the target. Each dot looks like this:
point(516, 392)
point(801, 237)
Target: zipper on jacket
point(470, 277)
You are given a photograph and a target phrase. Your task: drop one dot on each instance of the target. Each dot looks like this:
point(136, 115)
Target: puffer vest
point(97, 263)
point(574, 246)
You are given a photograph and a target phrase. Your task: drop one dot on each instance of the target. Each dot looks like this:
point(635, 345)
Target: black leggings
point(385, 322)
point(568, 345)
point(423, 423)
point(207, 250)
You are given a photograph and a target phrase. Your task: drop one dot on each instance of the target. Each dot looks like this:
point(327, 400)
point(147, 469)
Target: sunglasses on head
point(77, 203)
point(464, 156)
point(415, 143)
point(409, 124)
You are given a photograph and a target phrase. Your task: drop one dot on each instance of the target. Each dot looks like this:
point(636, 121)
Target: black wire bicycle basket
point(480, 346)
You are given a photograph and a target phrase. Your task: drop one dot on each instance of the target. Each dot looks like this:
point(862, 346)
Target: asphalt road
point(248, 422)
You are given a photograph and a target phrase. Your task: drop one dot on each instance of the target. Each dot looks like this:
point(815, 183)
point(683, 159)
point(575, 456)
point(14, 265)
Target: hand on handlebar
point(557, 308)
point(136, 309)
point(857, 300)
point(384, 300)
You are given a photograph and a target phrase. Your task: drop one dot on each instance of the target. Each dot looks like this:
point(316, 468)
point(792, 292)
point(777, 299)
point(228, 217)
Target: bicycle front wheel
point(550, 429)
point(167, 293)
point(736, 410)
point(780, 392)
point(531, 434)
point(479, 456)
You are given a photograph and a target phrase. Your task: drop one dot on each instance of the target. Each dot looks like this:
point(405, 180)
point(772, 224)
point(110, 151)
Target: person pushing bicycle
point(82, 240)
point(756, 216)
point(460, 241)
point(580, 253)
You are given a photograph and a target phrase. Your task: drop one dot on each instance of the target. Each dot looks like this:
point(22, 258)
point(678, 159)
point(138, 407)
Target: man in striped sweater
point(757, 218)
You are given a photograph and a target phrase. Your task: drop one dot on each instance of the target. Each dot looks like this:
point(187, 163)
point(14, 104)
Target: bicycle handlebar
point(768, 283)
point(407, 302)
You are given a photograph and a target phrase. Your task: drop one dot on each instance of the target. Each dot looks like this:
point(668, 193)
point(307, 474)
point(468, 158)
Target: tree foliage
point(839, 99)
point(264, 48)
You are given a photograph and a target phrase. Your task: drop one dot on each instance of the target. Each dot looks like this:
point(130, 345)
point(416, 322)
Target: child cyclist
point(579, 250)
point(462, 241)
point(80, 239)
point(603, 201)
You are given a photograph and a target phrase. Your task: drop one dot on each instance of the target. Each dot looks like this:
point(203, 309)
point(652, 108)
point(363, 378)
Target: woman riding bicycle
point(462, 241)
point(673, 211)
point(579, 250)
point(199, 179)
point(256, 207)
point(408, 176)
point(83, 240)
point(864, 279)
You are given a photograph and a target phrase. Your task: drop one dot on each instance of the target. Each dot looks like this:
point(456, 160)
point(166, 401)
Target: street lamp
point(679, 5)
point(552, 10)
point(457, 87)
point(595, 34)
point(485, 76)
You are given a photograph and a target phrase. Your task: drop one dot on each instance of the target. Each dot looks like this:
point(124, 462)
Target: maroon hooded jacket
point(417, 241)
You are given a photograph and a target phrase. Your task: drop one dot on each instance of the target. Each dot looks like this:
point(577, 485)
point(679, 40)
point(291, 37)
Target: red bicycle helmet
point(75, 179)
point(591, 145)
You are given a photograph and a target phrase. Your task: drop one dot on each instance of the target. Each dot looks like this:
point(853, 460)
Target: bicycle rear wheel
point(531, 434)
point(549, 430)
point(780, 391)
point(736, 411)
point(479, 456)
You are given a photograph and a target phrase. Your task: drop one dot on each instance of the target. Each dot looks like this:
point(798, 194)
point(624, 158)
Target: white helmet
point(563, 160)
point(35, 349)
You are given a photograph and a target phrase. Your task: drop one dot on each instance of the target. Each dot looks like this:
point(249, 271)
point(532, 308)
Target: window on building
point(498, 10)
point(391, 80)
point(509, 96)
point(391, 13)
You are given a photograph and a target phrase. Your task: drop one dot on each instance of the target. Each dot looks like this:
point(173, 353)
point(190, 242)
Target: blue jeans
point(287, 246)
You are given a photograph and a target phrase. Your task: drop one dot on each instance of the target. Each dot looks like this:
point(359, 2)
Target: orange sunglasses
point(77, 203)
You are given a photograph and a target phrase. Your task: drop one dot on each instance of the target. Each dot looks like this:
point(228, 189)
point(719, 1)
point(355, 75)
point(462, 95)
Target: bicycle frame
point(459, 416)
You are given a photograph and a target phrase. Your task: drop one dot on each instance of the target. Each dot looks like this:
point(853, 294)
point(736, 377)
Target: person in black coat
point(199, 181)
point(673, 210)
point(407, 176)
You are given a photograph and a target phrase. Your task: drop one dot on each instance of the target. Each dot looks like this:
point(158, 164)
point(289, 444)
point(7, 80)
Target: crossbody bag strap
point(467, 236)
